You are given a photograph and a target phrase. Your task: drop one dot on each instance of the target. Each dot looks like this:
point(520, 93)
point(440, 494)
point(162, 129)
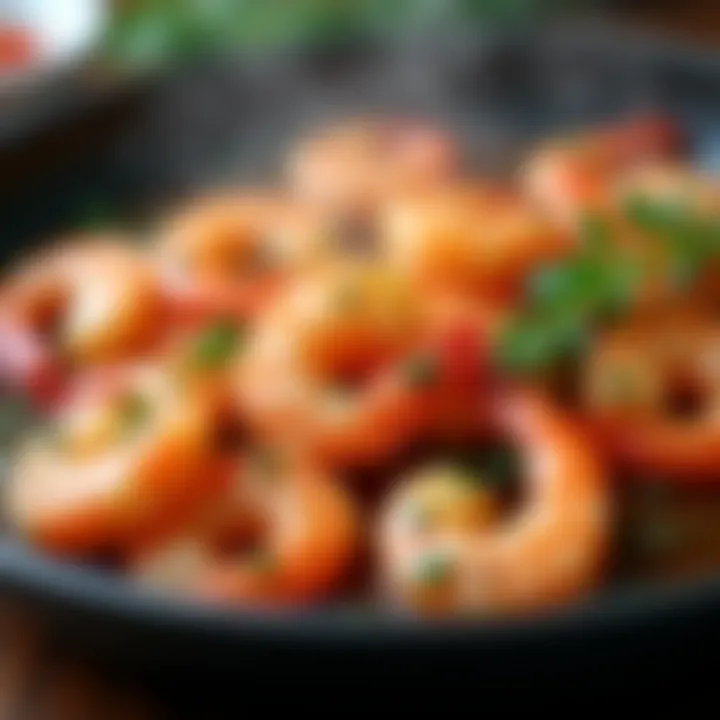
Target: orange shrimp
point(281, 536)
point(574, 175)
point(443, 548)
point(475, 240)
point(649, 390)
point(674, 183)
point(352, 170)
point(324, 368)
point(352, 366)
point(87, 302)
point(229, 254)
point(126, 454)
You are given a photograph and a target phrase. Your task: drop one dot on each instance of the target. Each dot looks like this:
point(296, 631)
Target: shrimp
point(352, 170)
point(651, 392)
point(124, 455)
point(674, 184)
point(478, 241)
point(327, 366)
point(281, 535)
point(443, 547)
point(229, 254)
point(574, 176)
point(352, 367)
point(86, 302)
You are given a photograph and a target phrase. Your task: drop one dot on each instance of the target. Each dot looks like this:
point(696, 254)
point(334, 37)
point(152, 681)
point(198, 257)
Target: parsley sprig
point(148, 33)
point(567, 301)
point(691, 239)
point(215, 346)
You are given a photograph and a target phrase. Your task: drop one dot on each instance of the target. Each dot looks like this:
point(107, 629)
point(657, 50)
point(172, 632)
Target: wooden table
point(40, 681)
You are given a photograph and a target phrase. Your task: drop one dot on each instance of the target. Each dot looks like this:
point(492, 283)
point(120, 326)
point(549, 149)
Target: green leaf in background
point(216, 345)
point(147, 33)
point(151, 32)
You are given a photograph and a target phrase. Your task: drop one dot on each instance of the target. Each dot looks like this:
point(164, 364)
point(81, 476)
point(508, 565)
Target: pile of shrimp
point(292, 396)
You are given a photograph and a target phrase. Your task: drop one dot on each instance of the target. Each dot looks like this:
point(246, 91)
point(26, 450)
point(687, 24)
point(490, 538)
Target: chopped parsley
point(433, 569)
point(134, 411)
point(215, 346)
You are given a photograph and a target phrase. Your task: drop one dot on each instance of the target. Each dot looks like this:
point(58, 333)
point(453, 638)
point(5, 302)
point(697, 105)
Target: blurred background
point(133, 34)
point(53, 52)
point(68, 46)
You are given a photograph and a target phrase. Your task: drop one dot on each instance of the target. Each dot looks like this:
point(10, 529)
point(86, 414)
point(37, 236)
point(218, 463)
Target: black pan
point(128, 153)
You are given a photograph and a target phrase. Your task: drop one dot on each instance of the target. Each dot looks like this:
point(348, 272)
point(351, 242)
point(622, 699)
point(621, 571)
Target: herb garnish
point(215, 345)
point(134, 411)
point(433, 569)
point(598, 284)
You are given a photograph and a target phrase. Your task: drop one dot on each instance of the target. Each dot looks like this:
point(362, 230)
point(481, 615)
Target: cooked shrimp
point(652, 391)
point(89, 302)
point(574, 175)
point(284, 535)
point(326, 367)
point(443, 548)
point(228, 254)
point(672, 183)
point(474, 240)
point(125, 455)
point(354, 169)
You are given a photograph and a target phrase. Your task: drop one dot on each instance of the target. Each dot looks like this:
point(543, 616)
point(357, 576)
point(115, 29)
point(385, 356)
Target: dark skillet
point(127, 155)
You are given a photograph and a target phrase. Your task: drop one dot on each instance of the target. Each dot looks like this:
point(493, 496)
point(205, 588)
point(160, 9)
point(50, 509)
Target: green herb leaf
point(569, 300)
point(134, 411)
point(215, 346)
point(689, 238)
point(532, 343)
point(433, 569)
point(595, 233)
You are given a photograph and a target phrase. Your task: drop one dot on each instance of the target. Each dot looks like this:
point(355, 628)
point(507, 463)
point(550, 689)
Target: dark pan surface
point(130, 154)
